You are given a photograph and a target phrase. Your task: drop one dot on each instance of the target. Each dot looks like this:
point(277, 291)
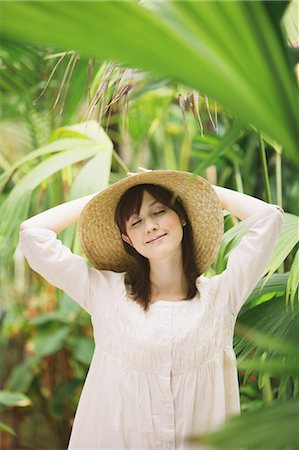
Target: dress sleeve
point(56, 263)
point(248, 260)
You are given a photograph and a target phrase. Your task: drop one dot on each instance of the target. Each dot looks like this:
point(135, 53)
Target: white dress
point(156, 377)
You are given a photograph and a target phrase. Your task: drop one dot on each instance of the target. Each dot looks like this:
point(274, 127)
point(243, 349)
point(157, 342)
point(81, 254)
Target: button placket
point(167, 402)
point(169, 437)
point(169, 445)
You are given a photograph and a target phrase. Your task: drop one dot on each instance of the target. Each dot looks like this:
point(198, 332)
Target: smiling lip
point(156, 238)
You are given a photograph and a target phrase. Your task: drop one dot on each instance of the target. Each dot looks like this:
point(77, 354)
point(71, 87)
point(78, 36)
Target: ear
point(126, 239)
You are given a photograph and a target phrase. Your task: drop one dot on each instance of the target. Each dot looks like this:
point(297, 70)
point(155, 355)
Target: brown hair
point(129, 204)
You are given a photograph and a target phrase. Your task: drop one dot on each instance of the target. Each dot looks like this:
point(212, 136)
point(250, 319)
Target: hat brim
point(101, 239)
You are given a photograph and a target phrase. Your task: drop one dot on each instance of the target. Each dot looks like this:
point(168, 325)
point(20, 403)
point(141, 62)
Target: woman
point(163, 366)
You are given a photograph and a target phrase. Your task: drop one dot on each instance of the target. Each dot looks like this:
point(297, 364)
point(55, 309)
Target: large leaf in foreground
point(271, 428)
point(231, 51)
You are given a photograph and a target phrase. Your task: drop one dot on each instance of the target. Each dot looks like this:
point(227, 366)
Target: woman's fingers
point(140, 170)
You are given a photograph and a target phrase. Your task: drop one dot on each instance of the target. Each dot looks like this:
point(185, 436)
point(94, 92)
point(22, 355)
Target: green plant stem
point(278, 177)
point(185, 154)
point(238, 177)
point(120, 162)
point(267, 390)
point(265, 169)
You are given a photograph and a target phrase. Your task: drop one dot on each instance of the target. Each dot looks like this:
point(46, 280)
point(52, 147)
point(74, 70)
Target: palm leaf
point(273, 428)
point(54, 147)
point(288, 238)
point(16, 205)
point(20, 66)
point(265, 332)
point(215, 43)
point(293, 281)
point(274, 286)
point(67, 151)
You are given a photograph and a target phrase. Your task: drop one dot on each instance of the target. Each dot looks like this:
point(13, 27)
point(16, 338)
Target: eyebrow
point(149, 206)
point(153, 203)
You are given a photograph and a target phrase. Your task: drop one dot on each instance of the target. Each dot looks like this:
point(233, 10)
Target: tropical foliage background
point(90, 90)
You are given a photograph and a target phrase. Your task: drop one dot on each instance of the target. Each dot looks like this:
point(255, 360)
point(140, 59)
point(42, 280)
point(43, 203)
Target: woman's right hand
point(139, 170)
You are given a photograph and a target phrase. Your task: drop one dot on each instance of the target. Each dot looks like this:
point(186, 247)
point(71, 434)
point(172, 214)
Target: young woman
point(163, 366)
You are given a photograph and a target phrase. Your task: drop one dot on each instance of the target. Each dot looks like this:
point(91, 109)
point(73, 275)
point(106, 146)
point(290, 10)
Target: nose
point(151, 225)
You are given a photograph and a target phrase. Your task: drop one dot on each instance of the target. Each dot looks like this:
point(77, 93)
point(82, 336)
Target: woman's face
point(156, 231)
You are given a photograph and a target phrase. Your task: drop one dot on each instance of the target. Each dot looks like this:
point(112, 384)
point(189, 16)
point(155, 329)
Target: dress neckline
point(175, 302)
point(169, 302)
point(161, 301)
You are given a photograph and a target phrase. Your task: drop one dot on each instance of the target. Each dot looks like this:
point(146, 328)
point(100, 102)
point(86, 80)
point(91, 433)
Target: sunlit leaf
point(7, 429)
point(54, 147)
point(83, 130)
point(8, 398)
point(13, 208)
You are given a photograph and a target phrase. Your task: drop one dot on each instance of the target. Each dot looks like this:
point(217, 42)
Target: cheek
point(173, 222)
point(133, 235)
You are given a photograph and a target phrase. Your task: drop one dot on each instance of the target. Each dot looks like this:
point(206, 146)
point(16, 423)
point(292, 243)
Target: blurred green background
point(90, 90)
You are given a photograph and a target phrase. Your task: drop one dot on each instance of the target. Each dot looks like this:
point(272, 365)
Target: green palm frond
point(87, 141)
point(293, 282)
point(272, 428)
point(268, 334)
point(275, 286)
point(288, 239)
point(218, 48)
point(19, 77)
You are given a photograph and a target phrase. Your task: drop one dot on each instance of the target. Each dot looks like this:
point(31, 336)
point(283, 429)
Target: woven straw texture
point(101, 240)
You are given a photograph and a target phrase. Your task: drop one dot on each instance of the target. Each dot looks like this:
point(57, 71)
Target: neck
point(168, 279)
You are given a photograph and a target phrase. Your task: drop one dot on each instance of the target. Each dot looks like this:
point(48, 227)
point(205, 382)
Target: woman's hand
point(139, 170)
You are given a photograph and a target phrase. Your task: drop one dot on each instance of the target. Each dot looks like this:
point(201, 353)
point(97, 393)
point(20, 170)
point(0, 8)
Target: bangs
point(130, 203)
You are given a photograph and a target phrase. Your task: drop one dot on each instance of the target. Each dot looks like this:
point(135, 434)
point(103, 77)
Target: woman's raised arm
point(248, 260)
point(59, 217)
point(240, 205)
point(47, 255)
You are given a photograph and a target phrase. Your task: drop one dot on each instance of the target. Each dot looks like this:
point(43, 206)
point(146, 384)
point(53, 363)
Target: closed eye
point(135, 223)
point(159, 212)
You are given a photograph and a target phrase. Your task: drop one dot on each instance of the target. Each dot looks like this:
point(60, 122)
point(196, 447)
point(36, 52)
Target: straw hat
point(100, 237)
